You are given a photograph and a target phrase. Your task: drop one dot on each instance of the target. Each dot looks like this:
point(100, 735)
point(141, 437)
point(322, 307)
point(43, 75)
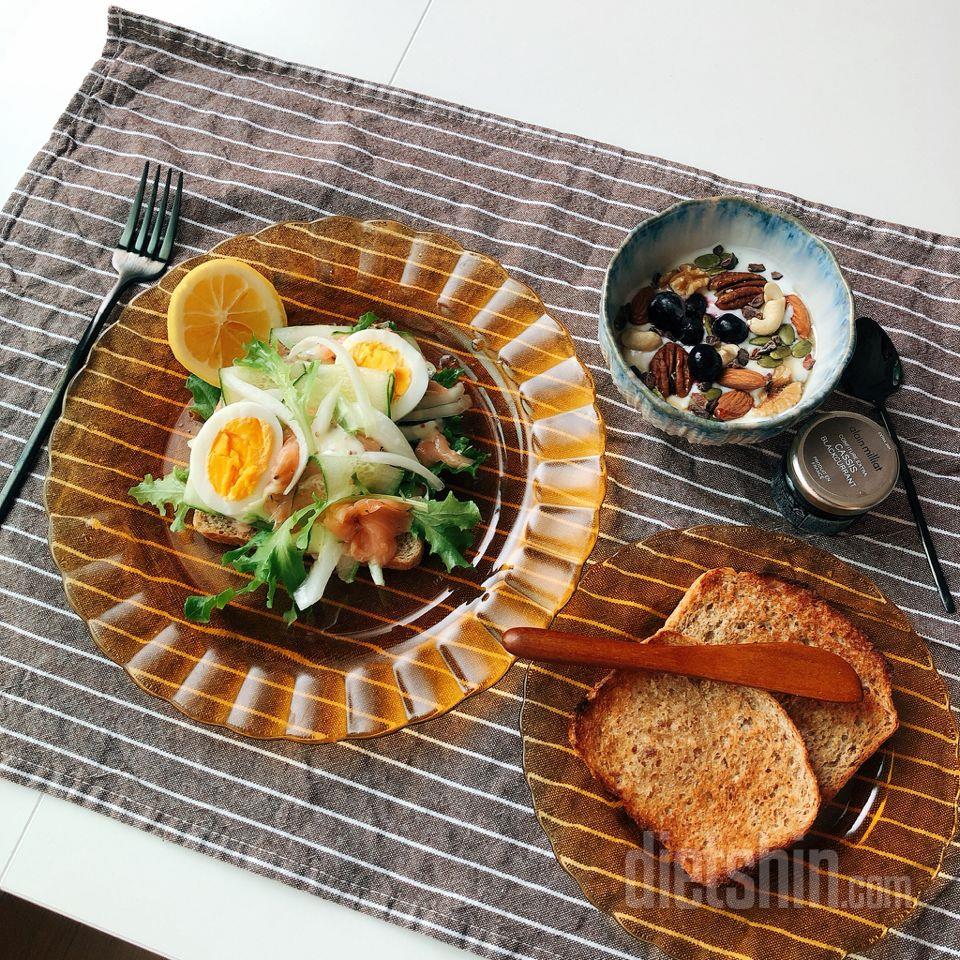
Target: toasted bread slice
point(221, 529)
point(409, 553)
point(718, 772)
point(724, 606)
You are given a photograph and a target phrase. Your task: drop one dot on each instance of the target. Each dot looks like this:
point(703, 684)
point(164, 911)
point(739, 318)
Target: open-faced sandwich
point(323, 449)
point(724, 774)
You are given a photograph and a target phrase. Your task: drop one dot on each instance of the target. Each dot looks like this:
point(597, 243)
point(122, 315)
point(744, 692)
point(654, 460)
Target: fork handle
point(54, 407)
point(939, 577)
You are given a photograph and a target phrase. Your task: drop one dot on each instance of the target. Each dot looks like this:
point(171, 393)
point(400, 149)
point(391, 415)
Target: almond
point(639, 304)
point(801, 316)
point(739, 378)
point(733, 404)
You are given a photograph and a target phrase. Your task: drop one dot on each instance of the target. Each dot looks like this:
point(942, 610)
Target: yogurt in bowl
point(724, 321)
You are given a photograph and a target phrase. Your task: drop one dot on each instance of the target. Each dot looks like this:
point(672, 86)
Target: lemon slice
point(216, 310)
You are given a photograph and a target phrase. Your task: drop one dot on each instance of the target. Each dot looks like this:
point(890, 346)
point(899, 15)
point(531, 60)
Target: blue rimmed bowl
point(663, 241)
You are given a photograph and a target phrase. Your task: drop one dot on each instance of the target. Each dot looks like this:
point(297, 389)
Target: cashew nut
point(771, 319)
point(728, 353)
point(643, 340)
point(772, 291)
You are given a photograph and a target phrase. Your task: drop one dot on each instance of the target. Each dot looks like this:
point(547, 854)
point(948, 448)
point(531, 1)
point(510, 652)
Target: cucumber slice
point(290, 336)
point(378, 477)
point(378, 384)
point(339, 475)
point(232, 377)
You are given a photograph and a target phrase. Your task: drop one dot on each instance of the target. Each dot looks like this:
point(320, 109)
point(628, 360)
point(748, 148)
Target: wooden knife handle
point(792, 668)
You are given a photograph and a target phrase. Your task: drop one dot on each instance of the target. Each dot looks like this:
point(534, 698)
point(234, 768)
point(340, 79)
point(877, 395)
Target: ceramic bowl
point(665, 240)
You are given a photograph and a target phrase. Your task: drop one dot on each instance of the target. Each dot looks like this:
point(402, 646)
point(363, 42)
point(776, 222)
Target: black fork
point(140, 256)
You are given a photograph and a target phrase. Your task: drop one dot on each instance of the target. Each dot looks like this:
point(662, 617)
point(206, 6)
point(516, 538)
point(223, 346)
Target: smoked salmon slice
point(369, 527)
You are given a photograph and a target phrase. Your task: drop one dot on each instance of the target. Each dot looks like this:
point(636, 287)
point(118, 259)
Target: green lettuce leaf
point(205, 396)
point(264, 358)
point(163, 492)
point(447, 527)
point(272, 557)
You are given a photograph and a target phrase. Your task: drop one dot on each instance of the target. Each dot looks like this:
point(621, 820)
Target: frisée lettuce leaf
point(447, 527)
point(163, 492)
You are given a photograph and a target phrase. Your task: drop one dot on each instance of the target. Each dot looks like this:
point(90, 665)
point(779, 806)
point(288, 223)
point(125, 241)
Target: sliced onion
point(324, 415)
point(382, 429)
point(439, 412)
point(356, 381)
point(404, 463)
point(311, 590)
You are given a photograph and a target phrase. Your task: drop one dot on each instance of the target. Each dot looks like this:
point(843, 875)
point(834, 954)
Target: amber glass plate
point(874, 850)
point(371, 660)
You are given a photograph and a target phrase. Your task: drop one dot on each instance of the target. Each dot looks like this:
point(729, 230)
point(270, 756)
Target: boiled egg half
point(385, 350)
point(234, 457)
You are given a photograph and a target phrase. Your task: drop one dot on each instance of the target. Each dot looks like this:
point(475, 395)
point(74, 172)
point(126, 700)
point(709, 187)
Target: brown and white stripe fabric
point(432, 827)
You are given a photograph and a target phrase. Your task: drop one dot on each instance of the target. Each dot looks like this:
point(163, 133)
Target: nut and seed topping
point(739, 378)
point(732, 405)
point(671, 371)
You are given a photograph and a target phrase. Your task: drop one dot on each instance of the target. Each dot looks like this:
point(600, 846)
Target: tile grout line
point(23, 833)
point(413, 36)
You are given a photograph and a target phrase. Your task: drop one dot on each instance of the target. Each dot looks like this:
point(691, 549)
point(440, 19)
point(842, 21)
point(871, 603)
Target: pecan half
point(733, 404)
point(739, 378)
point(671, 371)
point(732, 278)
point(733, 298)
point(639, 304)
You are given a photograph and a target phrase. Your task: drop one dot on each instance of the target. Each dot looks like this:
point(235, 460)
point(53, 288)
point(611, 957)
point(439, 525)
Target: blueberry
point(691, 330)
point(730, 328)
point(666, 311)
point(696, 305)
point(705, 362)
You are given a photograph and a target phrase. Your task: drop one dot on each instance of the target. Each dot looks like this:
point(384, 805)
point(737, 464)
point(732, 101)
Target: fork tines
point(147, 243)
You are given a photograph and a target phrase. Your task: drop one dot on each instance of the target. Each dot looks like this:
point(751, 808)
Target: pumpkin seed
point(787, 334)
point(707, 261)
point(781, 353)
point(713, 393)
point(801, 348)
point(769, 362)
point(707, 325)
point(759, 341)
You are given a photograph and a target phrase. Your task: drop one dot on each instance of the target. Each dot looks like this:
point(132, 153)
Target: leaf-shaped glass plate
point(874, 850)
point(372, 660)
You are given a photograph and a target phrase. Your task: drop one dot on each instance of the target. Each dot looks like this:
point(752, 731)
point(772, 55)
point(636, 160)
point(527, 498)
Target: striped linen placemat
point(432, 827)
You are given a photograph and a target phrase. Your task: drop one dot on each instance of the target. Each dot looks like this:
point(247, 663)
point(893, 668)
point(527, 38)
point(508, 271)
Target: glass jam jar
point(839, 467)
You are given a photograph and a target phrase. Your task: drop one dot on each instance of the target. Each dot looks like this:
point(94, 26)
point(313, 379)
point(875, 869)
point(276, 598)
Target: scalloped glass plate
point(874, 850)
point(373, 660)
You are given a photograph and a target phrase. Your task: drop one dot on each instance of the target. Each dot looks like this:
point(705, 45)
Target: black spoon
point(874, 374)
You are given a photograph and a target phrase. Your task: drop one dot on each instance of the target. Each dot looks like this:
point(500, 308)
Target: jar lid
point(844, 463)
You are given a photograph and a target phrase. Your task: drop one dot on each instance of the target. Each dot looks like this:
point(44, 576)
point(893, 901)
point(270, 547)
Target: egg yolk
point(377, 356)
point(239, 455)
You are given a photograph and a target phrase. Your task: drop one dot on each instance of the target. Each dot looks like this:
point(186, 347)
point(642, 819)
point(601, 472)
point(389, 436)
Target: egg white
point(200, 447)
point(410, 358)
point(248, 392)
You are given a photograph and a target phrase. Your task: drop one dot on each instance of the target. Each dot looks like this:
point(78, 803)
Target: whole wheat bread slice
point(724, 606)
point(719, 773)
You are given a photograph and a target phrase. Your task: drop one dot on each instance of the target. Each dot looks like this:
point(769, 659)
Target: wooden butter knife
point(777, 667)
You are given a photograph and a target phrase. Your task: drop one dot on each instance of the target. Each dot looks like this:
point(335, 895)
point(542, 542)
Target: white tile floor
point(851, 104)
